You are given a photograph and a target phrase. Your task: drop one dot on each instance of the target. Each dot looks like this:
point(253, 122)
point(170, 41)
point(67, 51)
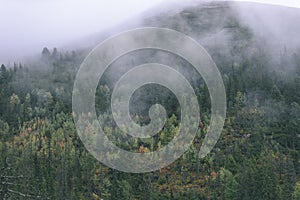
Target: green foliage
point(257, 156)
point(296, 194)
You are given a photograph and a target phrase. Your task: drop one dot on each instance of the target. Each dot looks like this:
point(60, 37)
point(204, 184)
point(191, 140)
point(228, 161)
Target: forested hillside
point(257, 156)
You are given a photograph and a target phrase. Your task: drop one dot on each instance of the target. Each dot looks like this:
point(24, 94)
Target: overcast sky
point(26, 26)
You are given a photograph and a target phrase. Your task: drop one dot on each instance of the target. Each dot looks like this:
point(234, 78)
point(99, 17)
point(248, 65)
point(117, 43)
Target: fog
point(276, 24)
point(28, 26)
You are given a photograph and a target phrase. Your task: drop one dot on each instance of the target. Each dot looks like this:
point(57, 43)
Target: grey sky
point(26, 26)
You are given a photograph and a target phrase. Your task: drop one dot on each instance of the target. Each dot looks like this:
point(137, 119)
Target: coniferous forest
point(257, 156)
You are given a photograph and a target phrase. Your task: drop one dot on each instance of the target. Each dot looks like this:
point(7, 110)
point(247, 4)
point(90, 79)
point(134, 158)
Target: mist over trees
point(257, 156)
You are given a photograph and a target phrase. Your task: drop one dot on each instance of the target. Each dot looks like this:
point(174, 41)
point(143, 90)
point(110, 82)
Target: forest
point(257, 156)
